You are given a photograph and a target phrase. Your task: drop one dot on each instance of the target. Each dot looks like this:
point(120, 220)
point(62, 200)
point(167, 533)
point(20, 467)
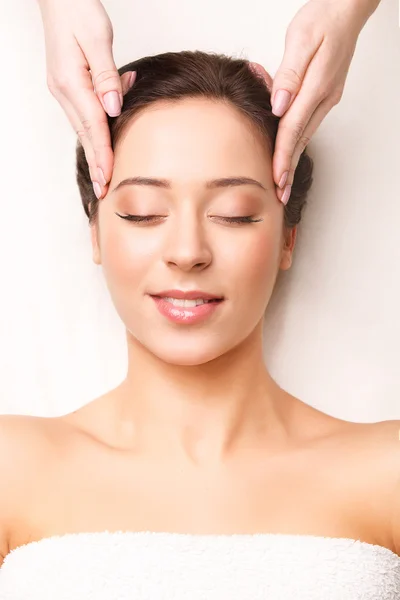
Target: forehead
point(190, 136)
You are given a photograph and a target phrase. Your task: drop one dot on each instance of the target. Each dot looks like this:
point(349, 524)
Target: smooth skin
point(198, 438)
point(82, 76)
point(244, 452)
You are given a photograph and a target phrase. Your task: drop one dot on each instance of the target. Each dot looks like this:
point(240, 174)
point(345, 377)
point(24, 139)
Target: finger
point(289, 77)
point(312, 126)
point(105, 76)
point(291, 128)
point(95, 175)
point(91, 125)
point(260, 71)
point(127, 81)
point(108, 93)
point(92, 117)
point(315, 121)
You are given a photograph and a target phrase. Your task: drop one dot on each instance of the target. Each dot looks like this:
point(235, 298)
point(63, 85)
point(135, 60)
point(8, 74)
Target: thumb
point(106, 79)
point(289, 77)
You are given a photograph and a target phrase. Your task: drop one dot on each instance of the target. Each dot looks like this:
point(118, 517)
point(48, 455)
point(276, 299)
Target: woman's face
point(192, 243)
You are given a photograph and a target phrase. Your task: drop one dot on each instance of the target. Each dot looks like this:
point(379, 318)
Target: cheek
point(126, 256)
point(254, 262)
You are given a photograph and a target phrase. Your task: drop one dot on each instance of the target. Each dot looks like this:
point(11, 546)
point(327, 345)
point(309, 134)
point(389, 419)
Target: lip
point(186, 315)
point(189, 295)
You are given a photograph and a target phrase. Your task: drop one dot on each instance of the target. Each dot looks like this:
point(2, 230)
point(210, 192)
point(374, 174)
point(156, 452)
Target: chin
point(186, 355)
point(186, 359)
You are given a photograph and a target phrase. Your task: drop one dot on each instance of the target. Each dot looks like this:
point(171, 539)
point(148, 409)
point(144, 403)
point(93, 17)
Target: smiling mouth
point(188, 303)
point(186, 311)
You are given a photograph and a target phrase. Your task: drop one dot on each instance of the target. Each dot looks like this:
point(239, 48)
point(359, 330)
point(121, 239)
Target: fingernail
point(132, 78)
point(101, 177)
point(97, 189)
point(259, 71)
point(283, 179)
point(281, 102)
point(254, 67)
point(112, 103)
point(286, 194)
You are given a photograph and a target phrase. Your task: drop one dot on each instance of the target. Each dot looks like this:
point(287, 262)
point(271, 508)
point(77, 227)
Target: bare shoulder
point(381, 439)
point(385, 437)
point(379, 430)
point(371, 444)
point(371, 454)
point(24, 452)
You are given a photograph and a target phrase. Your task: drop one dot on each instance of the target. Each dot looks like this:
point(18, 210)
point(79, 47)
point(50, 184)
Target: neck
point(204, 413)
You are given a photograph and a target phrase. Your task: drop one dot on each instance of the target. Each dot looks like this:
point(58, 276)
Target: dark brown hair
point(173, 76)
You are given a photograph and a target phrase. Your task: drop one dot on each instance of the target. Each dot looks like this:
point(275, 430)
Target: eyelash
point(147, 218)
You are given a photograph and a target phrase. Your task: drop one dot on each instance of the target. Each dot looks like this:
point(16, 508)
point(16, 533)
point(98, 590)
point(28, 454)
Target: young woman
point(198, 476)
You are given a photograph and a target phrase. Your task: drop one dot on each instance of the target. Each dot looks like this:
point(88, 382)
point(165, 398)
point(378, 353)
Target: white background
point(332, 335)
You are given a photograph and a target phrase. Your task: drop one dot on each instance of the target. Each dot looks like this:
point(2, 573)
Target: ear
point(259, 70)
point(288, 248)
point(94, 235)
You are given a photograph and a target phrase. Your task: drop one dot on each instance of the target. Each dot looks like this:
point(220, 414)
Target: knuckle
point(99, 147)
point(291, 76)
point(104, 77)
point(320, 94)
point(94, 132)
point(303, 143)
point(81, 133)
point(336, 96)
point(300, 35)
point(296, 131)
point(290, 136)
point(87, 128)
point(102, 31)
point(53, 85)
point(304, 37)
point(59, 83)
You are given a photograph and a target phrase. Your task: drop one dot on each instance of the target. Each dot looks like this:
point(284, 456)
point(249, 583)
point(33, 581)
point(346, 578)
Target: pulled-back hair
point(173, 76)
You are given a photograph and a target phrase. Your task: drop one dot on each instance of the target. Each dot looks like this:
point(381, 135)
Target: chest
point(91, 490)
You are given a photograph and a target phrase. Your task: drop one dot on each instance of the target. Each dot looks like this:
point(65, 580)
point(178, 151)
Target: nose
point(187, 247)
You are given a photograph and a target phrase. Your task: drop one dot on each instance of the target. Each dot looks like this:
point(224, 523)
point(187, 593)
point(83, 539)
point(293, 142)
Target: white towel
point(177, 566)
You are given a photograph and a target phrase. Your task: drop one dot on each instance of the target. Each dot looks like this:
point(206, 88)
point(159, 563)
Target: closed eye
point(139, 218)
point(148, 218)
point(239, 219)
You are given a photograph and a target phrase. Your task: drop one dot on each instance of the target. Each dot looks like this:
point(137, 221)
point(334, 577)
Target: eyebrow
point(212, 184)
